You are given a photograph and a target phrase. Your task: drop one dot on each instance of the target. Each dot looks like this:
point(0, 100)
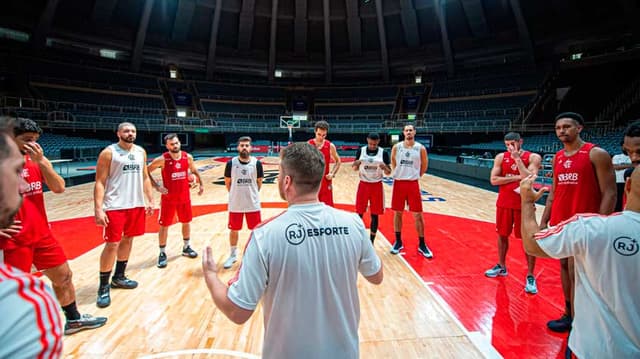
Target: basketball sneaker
point(104, 297)
point(123, 282)
point(425, 251)
point(86, 321)
point(189, 252)
point(497, 270)
point(560, 325)
point(229, 262)
point(530, 286)
point(162, 260)
point(397, 247)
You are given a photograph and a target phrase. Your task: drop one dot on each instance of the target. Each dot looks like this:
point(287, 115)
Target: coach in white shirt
point(607, 268)
point(305, 262)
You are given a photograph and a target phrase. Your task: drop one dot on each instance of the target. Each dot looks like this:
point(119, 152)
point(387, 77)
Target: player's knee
point(63, 277)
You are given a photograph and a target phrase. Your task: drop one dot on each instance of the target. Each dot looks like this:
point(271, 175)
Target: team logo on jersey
point(514, 167)
point(295, 234)
point(269, 178)
point(567, 164)
point(626, 246)
point(132, 157)
point(178, 165)
point(25, 173)
point(407, 154)
point(243, 171)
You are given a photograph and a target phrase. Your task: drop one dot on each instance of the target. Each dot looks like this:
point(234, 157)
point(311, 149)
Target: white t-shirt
point(408, 161)
point(305, 262)
point(620, 159)
point(607, 292)
point(125, 185)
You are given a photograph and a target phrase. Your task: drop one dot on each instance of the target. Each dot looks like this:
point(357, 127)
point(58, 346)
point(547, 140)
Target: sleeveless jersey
point(243, 194)
point(175, 178)
point(577, 189)
point(124, 188)
point(32, 212)
point(326, 152)
point(408, 162)
point(507, 197)
point(370, 170)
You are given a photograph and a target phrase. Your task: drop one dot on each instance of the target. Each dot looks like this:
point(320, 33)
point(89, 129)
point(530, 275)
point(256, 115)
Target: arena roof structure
point(322, 40)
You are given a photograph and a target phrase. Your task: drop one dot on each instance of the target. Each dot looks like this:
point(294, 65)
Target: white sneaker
point(530, 286)
point(229, 262)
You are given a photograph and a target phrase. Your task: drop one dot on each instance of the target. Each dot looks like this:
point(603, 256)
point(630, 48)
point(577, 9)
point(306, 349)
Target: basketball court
point(442, 307)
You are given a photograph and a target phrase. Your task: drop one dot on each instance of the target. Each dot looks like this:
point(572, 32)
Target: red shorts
point(508, 219)
point(326, 192)
point(45, 253)
point(370, 193)
point(168, 211)
point(129, 222)
point(235, 220)
point(406, 192)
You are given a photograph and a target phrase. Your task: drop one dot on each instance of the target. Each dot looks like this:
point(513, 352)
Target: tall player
point(243, 176)
point(409, 162)
point(372, 162)
point(122, 182)
point(34, 244)
point(176, 196)
point(508, 169)
point(329, 152)
point(583, 182)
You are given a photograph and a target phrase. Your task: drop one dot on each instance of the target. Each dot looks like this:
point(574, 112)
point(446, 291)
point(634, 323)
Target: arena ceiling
point(324, 38)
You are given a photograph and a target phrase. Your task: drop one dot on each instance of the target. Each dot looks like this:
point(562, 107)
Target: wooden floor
point(171, 309)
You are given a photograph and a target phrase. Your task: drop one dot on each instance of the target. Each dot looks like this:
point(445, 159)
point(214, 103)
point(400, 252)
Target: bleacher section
point(90, 77)
point(52, 145)
point(214, 91)
point(486, 82)
point(257, 109)
point(549, 143)
point(76, 95)
point(356, 94)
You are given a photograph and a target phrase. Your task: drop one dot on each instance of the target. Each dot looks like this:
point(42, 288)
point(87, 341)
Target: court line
point(202, 351)
point(476, 338)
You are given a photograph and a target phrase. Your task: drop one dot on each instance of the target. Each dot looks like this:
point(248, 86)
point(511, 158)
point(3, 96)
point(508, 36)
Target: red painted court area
point(498, 308)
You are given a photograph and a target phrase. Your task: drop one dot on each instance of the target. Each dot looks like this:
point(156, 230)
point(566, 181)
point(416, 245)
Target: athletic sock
point(71, 311)
point(398, 239)
point(104, 278)
point(372, 237)
point(162, 249)
point(185, 244)
point(234, 250)
point(120, 267)
point(421, 240)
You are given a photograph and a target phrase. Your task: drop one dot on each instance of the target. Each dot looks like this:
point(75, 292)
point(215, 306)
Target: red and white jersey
point(32, 212)
point(125, 184)
point(507, 195)
point(175, 178)
point(326, 152)
point(408, 162)
point(576, 186)
point(31, 323)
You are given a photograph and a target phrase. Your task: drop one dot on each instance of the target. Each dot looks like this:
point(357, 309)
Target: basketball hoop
point(289, 123)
